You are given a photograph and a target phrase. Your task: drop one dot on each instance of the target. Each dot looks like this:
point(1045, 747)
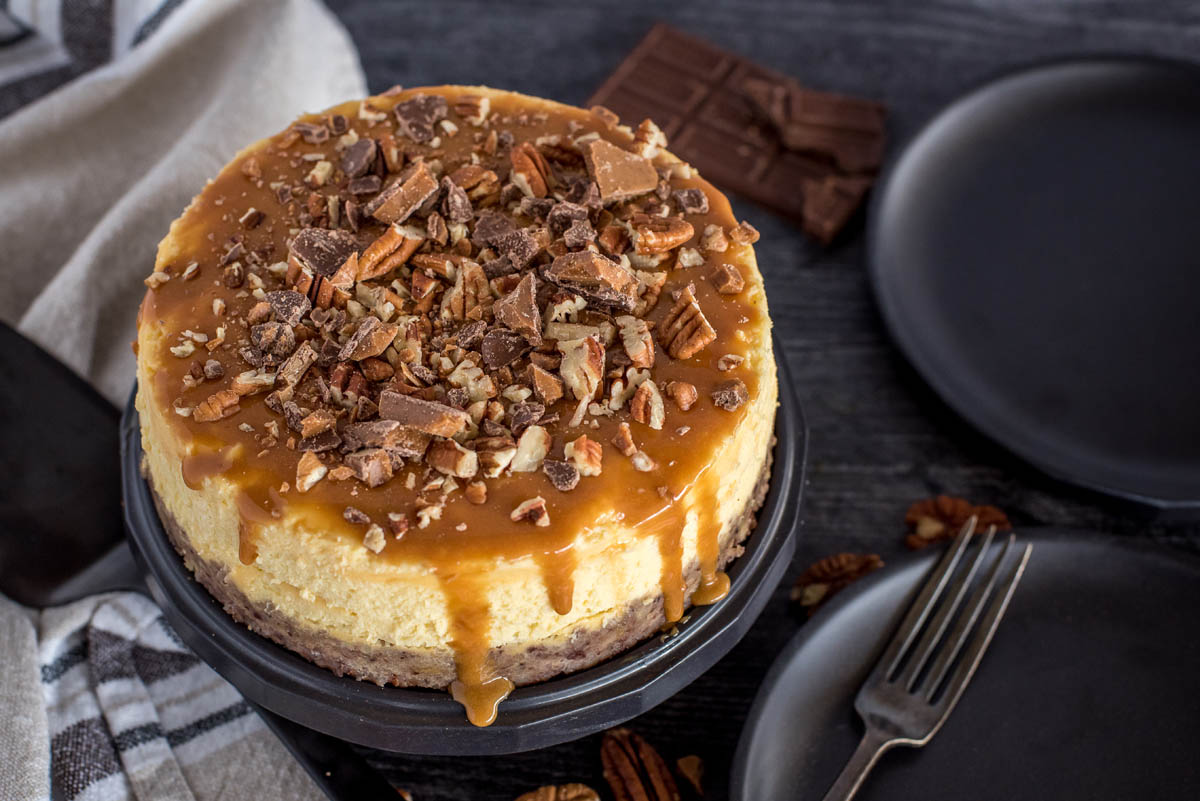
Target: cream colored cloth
point(92, 174)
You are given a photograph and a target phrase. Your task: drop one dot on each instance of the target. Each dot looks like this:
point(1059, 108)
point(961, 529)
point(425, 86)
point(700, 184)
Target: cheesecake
point(457, 388)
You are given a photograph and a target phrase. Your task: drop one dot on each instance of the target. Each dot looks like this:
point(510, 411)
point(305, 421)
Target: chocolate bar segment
point(809, 155)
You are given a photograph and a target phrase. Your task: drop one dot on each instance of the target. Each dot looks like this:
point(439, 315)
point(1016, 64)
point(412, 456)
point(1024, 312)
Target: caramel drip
point(254, 512)
point(479, 693)
point(204, 463)
point(558, 574)
point(714, 583)
point(670, 547)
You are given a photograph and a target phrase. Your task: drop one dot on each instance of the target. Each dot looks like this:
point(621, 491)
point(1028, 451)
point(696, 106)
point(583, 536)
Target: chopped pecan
point(691, 768)
point(532, 448)
point(646, 405)
point(533, 510)
point(648, 139)
point(586, 454)
point(374, 539)
point(473, 109)
point(685, 329)
point(309, 470)
point(729, 361)
point(940, 518)
point(730, 395)
point(634, 769)
point(391, 249)
point(635, 336)
point(495, 454)
point(660, 234)
point(428, 416)
point(481, 184)
point(252, 382)
point(714, 240)
point(623, 441)
point(582, 365)
point(618, 173)
point(222, 403)
point(447, 456)
point(476, 492)
point(316, 422)
point(691, 201)
point(825, 578)
point(529, 170)
point(293, 369)
point(562, 792)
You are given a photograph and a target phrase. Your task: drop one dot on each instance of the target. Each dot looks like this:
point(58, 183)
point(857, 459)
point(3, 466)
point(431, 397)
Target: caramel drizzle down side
point(479, 693)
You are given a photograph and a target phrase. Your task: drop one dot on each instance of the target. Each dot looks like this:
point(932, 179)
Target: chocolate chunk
point(372, 466)
point(456, 206)
point(289, 306)
point(830, 203)
point(730, 395)
point(579, 235)
point(519, 246)
point(519, 311)
point(277, 340)
point(563, 475)
point(418, 115)
point(491, 428)
point(471, 334)
point(321, 251)
point(498, 267)
point(314, 133)
point(563, 215)
point(326, 440)
point(691, 201)
point(490, 228)
point(399, 439)
point(338, 124)
point(716, 131)
point(523, 415)
point(535, 208)
point(284, 195)
point(366, 185)
point(353, 515)
point(847, 129)
point(501, 347)
point(397, 202)
point(358, 158)
point(618, 173)
point(428, 416)
point(585, 193)
point(458, 397)
point(596, 278)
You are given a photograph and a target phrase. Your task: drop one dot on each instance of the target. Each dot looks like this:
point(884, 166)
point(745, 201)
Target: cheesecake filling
point(447, 328)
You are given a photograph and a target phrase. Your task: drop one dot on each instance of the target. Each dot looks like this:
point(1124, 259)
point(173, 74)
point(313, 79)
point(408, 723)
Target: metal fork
point(920, 677)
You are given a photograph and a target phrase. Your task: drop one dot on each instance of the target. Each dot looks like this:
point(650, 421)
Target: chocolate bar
point(809, 155)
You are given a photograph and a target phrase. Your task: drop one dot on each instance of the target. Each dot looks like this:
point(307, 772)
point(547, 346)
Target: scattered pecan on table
point(634, 769)
point(936, 519)
point(825, 578)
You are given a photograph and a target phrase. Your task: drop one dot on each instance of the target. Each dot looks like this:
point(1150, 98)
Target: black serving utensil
point(61, 532)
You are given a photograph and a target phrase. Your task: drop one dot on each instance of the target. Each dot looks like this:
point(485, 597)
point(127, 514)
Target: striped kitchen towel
point(113, 114)
point(105, 702)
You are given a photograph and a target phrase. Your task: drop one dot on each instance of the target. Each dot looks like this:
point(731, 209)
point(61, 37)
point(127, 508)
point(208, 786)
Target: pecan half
point(940, 518)
point(686, 330)
point(562, 792)
point(634, 769)
point(660, 234)
point(825, 578)
point(529, 170)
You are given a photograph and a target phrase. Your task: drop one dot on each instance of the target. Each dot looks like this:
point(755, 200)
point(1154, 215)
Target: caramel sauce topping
point(232, 246)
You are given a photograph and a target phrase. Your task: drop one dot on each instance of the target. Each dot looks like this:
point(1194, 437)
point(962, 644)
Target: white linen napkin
point(117, 112)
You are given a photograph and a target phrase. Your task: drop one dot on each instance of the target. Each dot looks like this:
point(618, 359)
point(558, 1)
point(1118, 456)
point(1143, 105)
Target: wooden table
point(879, 438)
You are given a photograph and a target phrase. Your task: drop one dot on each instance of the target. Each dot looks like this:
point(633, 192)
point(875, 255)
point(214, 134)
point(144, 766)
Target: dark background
point(879, 438)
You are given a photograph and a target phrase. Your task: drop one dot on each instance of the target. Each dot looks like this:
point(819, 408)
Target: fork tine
point(932, 634)
point(980, 635)
point(921, 607)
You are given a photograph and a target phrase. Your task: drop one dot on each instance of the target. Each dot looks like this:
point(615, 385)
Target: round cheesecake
point(457, 388)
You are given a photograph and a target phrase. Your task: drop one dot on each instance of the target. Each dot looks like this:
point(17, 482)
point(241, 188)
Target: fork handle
point(874, 743)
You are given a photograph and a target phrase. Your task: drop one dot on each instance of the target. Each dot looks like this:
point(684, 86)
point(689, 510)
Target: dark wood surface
point(879, 438)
